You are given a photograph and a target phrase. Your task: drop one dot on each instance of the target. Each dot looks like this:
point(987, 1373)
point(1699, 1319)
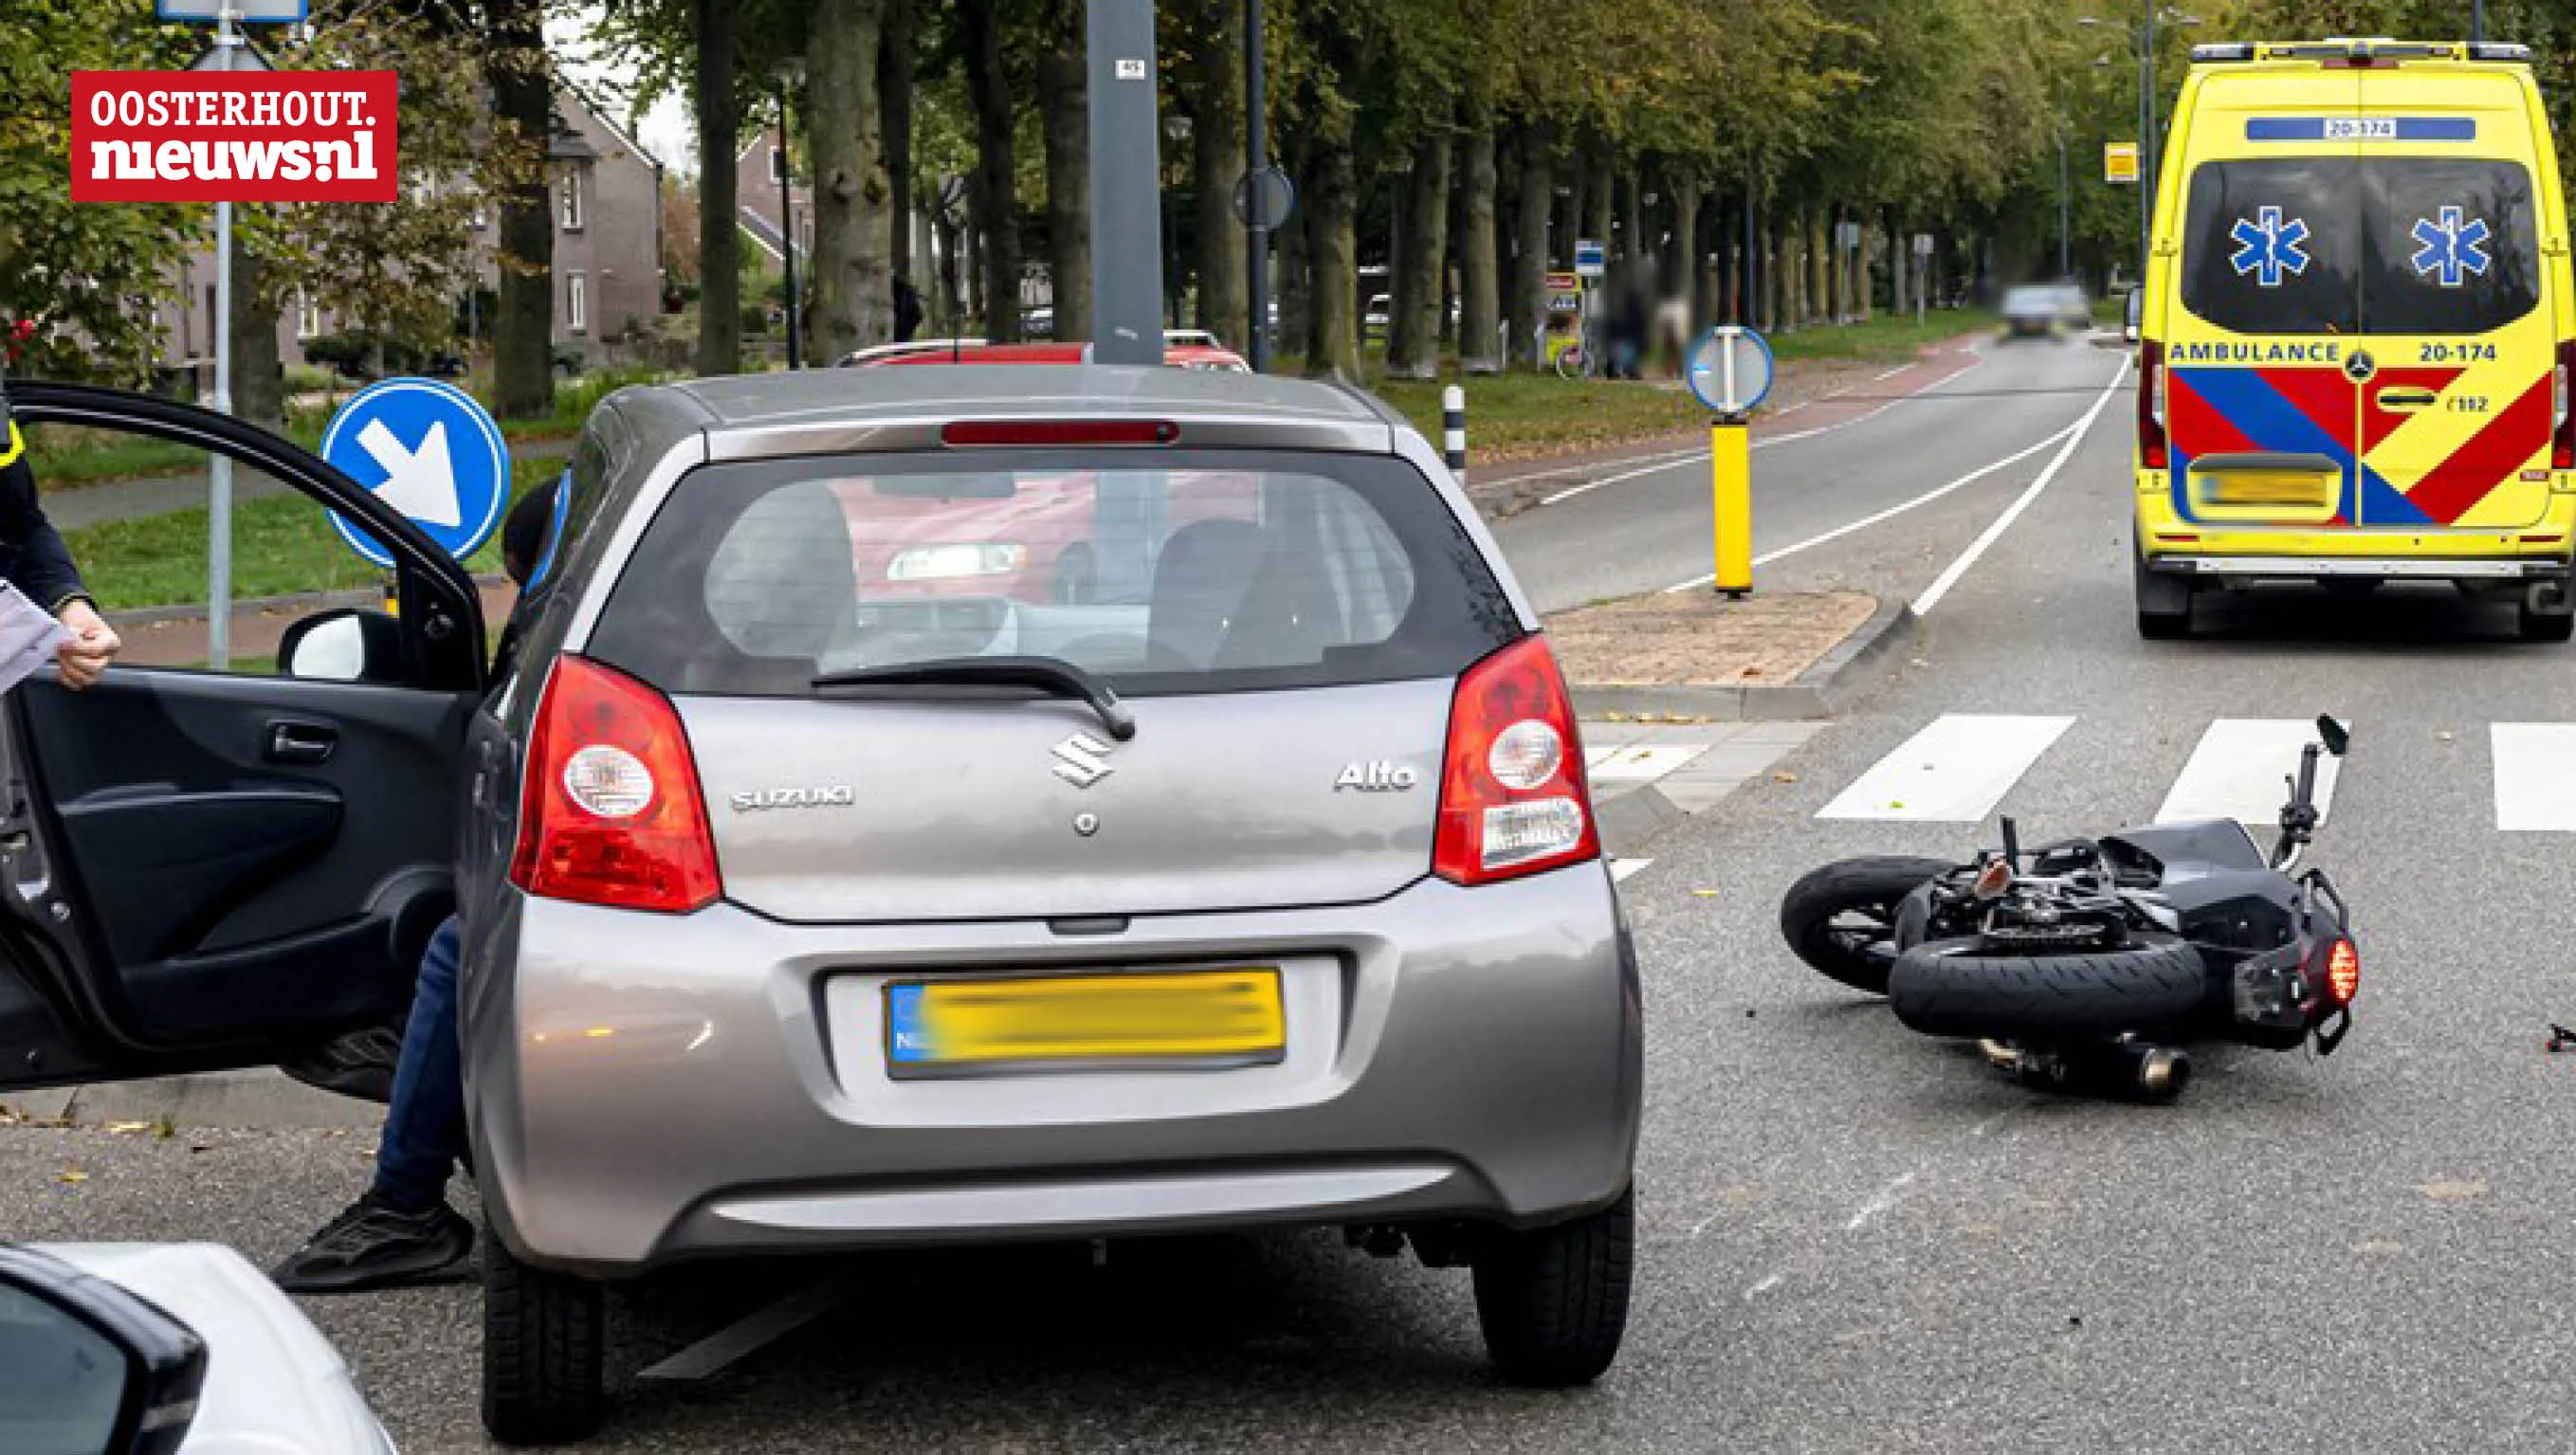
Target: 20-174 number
point(2457, 354)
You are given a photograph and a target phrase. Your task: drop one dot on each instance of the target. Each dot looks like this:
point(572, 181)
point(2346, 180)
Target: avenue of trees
point(1446, 151)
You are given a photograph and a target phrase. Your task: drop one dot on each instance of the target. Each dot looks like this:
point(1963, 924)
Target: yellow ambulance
point(2355, 344)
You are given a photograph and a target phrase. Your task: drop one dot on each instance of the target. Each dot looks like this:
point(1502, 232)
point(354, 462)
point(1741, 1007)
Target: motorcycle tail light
point(2343, 971)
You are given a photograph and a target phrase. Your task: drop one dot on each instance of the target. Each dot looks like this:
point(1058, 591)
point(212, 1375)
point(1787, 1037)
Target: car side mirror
point(88, 1368)
point(349, 645)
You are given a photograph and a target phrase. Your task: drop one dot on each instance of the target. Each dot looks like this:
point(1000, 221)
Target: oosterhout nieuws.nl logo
point(231, 136)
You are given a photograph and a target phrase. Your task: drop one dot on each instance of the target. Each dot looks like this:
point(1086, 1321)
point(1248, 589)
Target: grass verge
point(282, 545)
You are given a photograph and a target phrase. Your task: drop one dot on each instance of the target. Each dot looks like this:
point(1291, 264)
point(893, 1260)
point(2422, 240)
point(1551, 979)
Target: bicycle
point(1578, 360)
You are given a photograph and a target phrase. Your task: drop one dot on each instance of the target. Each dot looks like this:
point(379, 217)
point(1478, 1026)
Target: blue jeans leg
point(425, 1127)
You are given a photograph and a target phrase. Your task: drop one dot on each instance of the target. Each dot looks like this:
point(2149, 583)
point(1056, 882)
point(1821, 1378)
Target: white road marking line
point(1890, 374)
point(1866, 521)
point(1621, 869)
point(1885, 1199)
point(714, 1353)
point(1941, 584)
point(1760, 444)
point(1769, 1282)
point(1954, 771)
point(1644, 762)
point(2535, 776)
point(2236, 772)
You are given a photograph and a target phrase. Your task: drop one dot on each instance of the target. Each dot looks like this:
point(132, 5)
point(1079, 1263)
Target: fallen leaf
point(1705, 893)
point(71, 1174)
point(2441, 737)
point(1784, 777)
point(127, 1128)
point(2446, 1191)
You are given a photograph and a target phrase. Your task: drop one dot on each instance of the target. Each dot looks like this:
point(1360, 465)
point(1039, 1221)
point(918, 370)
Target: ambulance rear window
point(2450, 246)
point(2346, 245)
point(2270, 246)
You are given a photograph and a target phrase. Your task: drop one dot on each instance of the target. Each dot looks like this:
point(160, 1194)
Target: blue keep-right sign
point(428, 450)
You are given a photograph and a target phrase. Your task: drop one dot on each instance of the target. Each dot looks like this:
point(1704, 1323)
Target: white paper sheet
point(29, 637)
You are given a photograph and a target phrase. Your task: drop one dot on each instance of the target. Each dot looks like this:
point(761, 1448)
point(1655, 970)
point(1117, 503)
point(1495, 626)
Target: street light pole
point(2146, 143)
point(2065, 264)
point(1256, 271)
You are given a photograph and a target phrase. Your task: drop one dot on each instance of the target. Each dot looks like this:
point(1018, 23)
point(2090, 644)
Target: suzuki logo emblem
point(1082, 760)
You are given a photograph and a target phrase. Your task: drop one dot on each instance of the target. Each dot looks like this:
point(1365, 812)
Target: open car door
point(202, 870)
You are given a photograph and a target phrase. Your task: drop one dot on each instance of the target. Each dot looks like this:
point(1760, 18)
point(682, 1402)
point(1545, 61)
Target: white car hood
point(274, 1385)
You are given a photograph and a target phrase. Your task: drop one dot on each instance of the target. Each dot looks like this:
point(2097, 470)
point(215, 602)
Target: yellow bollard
point(1730, 457)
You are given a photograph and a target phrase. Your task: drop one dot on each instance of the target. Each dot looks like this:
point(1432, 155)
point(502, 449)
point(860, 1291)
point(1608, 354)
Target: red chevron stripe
point(2502, 446)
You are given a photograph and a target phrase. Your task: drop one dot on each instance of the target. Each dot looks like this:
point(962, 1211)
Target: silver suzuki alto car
point(950, 805)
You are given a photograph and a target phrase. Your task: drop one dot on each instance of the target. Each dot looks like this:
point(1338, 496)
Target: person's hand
point(94, 644)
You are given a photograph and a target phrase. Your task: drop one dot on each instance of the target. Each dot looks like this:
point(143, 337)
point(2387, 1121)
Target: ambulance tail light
point(2151, 404)
point(613, 814)
point(2562, 419)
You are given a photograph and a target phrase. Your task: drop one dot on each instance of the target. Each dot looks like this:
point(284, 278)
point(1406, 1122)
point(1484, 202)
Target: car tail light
point(2562, 432)
point(1512, 795)
point(613, 813)
point(2343, 971)
point(2151, 405)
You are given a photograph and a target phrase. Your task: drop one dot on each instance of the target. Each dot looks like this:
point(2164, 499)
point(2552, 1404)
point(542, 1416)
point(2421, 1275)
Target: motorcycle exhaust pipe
point(2151, 1073)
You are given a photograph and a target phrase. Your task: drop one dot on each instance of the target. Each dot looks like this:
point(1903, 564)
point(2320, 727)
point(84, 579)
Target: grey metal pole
point(2065, 245)
point(1256, 157)
point(787, 230)
point(2146, 146)
point(2478, 21)
point(219, 466)
point(1126, 185)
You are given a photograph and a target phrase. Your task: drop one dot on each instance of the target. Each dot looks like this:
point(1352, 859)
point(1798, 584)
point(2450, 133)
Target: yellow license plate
point(1228, 1017)
point(2305, 492)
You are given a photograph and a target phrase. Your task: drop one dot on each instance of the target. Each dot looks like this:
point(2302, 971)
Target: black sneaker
point(375, 1246)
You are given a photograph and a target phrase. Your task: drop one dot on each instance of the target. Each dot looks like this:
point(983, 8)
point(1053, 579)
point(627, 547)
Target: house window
point(572, 202)
point(777, 167)
point(308, 319)
point(577, 302)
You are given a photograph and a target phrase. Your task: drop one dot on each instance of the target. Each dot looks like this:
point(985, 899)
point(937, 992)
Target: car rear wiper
point(1052, 675)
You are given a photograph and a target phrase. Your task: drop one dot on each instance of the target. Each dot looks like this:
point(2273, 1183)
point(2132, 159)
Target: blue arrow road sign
point(429, 451)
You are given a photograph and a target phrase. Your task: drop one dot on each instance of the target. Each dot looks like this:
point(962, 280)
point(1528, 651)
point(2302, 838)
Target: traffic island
point(1698, 656)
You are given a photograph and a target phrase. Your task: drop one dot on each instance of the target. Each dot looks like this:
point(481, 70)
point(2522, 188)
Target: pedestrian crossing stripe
point(2237, 771)
point(1954, 771)
point(2535, 776)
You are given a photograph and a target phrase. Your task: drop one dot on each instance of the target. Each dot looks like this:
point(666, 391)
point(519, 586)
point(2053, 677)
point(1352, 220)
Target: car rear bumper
point(647, 1088)
point(2302, 568)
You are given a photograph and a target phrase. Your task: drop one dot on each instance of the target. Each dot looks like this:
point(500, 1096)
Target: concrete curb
point(1821, 691)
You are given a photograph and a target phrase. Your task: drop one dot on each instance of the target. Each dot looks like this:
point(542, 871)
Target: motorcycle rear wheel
point(1834, 915)
point(2156, 989)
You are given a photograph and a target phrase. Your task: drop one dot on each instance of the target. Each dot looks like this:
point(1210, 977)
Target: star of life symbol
point(2448, 250)
point(2267, 247)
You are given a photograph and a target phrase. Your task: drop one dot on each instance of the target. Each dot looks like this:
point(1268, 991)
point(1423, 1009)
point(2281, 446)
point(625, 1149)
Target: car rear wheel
point(2164, 602)
point(1553, 1302)
point(542, 1351)
point(2546, 626)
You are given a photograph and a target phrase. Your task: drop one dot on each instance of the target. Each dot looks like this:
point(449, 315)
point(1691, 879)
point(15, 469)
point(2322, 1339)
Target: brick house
point(606, 199)
point(759, 172)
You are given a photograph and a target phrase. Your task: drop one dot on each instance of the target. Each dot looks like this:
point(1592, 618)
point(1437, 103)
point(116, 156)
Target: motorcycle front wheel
point(1841, 918)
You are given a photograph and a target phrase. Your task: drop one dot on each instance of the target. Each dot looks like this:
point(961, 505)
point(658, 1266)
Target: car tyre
point(1553, 1301)
point(1817, 914)
point(2545, 626)
point(542, 1351)
point(2164, 602)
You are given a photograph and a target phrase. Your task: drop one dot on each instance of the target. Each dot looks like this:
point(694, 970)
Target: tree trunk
point(894, 129)
point(1296, 271)
point(1900, 267)
point(995, 202)
point(523, 332)
point(1335, 348)
point(1448, 321)
point(1413, 332)
point(1782, 271)
point(1596, 189)
point(1534, 205)
point(1681, 254)
point(719, 227)
point(852, 297)
point(259, 383)
point(1819, 268)
point(1633, 249)
point(1708, 266)
point(1216, 161)
point(951, 244)
point(1064, 95)
point(1479, 270)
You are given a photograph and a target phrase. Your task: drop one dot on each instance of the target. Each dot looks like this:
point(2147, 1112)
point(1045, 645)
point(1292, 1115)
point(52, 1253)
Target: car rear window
point(2374, 245)
point(1183, 572)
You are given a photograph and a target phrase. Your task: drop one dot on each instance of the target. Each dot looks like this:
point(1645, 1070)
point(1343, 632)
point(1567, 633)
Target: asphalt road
point(1853, 1239)
point(1644, 528)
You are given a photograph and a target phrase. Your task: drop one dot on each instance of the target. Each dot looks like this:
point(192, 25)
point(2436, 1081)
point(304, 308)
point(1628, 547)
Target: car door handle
point(301, 742)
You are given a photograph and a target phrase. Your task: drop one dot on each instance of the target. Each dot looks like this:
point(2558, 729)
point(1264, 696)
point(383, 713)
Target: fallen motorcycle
point(2088, 964)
